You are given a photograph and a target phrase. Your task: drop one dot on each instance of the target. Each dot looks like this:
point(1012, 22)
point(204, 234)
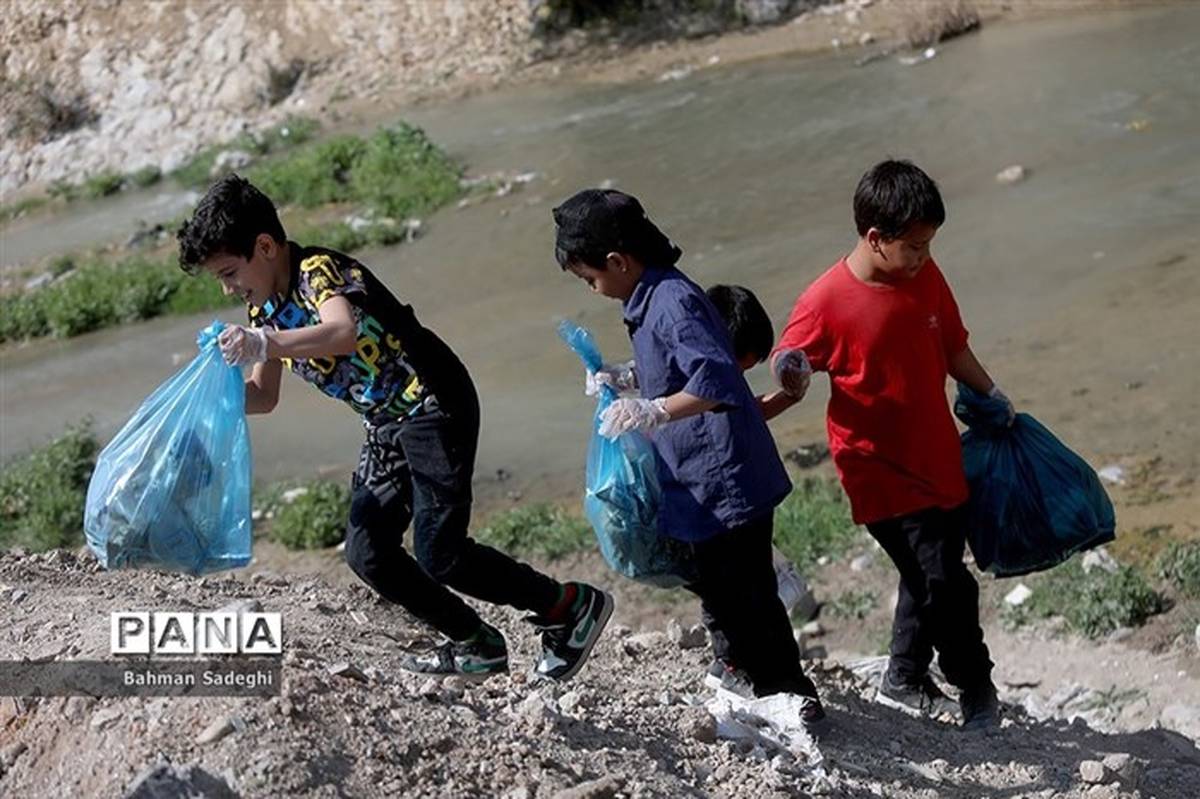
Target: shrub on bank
point(42, 493)
point(1092, 603)
point(101, 294)
point(814, 521)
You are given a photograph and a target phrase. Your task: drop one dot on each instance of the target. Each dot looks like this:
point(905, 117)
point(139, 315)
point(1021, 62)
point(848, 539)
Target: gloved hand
point(243, 346)
point(620, 376)
point(633, 414)
point(792, 372)
point(997, 394)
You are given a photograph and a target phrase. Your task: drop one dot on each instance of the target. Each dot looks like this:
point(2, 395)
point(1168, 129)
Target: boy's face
point(901, 258)
point(617, 280)
point(252, 279)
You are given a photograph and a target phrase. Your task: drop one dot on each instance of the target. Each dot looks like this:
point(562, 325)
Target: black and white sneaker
point(725, 677)
point(480, 657)
point(566, 645)
point(924, 699)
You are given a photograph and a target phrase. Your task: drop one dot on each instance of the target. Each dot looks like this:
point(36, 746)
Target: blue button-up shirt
point(719, 469)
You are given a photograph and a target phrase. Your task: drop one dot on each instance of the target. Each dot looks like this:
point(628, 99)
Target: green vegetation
point(397, 172)
point(539, 529)
point(315, 519)
point(813, 522)
point(102, 185)
point(853, 604)
point(42, 493)
point(291, 133)
point(1092, 603)
point(1179, 564)
point(18, 209)
point(146, 176)
point(102, 294)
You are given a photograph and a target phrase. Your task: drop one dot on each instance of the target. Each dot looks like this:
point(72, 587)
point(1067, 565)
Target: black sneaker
point(727, 677)
point(479, 657)
point(566, 645)
point(922, 699)
point(980, 707)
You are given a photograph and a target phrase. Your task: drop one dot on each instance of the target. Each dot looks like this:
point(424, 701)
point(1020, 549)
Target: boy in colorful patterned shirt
point(329, 320)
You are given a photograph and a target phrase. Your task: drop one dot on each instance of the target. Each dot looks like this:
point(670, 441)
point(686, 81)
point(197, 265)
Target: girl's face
point(617, 279)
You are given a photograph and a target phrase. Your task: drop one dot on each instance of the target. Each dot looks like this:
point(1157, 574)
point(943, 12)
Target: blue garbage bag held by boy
point(623, 492)
point(172, 489)
point(1034, 503)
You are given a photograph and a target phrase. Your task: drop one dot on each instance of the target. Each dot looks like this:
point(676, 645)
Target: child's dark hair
point(595, 222)
point(895, 195)
point(228, 220)
point(748, 323)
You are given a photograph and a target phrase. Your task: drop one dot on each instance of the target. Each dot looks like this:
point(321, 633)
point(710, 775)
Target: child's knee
point(440, 535)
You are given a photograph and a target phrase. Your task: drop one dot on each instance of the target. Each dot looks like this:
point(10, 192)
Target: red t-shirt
point(886, 350)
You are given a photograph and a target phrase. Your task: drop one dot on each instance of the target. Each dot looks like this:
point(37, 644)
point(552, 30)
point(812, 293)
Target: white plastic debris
point(772, 723)
point(1018, 596)
point(1114, 475)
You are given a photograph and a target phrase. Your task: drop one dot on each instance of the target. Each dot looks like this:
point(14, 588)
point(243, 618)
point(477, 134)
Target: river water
point(749, 167)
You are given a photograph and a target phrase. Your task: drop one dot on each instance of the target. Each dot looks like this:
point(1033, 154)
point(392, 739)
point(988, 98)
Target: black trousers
point(742, 610)
point(419, 469)
point(938, 605)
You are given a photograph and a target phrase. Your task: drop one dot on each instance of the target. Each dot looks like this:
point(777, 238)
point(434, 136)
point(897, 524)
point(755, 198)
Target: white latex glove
point(620, 376)
point(792, 372)
point(997, 394)
point(243, 346)
point(628, 414)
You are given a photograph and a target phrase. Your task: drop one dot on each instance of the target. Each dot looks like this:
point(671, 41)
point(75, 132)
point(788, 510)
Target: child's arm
point(966, 368)
point(262, 387)
point(775, 403)
point(335, 334)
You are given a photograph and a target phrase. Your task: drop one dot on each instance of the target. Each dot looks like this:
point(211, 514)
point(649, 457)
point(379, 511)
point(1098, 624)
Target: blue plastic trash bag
point(623, 493)
point(172, 489)
point(1034, 503)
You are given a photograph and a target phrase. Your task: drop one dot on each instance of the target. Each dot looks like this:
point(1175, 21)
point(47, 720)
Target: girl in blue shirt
point(720, 472)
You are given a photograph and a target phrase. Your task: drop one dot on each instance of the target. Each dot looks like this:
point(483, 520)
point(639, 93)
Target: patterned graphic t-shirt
point(379, 379)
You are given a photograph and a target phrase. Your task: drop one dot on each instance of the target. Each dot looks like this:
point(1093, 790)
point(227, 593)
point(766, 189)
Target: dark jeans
point(420, 469)
point(742, 610)
point(938, 605)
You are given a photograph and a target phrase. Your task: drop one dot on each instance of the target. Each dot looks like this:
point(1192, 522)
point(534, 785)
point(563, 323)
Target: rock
point(762, 12)
point(812, 629)
point(454, 687)
point(520, 792)
point(814, 653)
point(1099, 558)
point(293, 494)
point(569, 701)
point(240, 606)
point(865, 38)
point(1183, 719)
point(430, 689)
point(17, 595)
point(229, 161)
point(105, 717)
point(10, 753)
point(644, 642)
point(1011, 174)
point(164, 781)
point(807, 456)
point(1018, 596)
point(1092, 772)
point(269, 578)
point(344, 669)
point(694, 637)
point(1126, 767)
point(603, 788)
point(1113, 475)
point(217, 730)
point(699, 725)
point(536, 708)
point(862, 562)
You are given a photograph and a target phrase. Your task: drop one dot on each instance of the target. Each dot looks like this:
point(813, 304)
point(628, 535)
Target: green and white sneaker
point(566, 645)
point(478, 657)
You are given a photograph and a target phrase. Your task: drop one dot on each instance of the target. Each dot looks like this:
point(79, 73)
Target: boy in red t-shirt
point(884, 324)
